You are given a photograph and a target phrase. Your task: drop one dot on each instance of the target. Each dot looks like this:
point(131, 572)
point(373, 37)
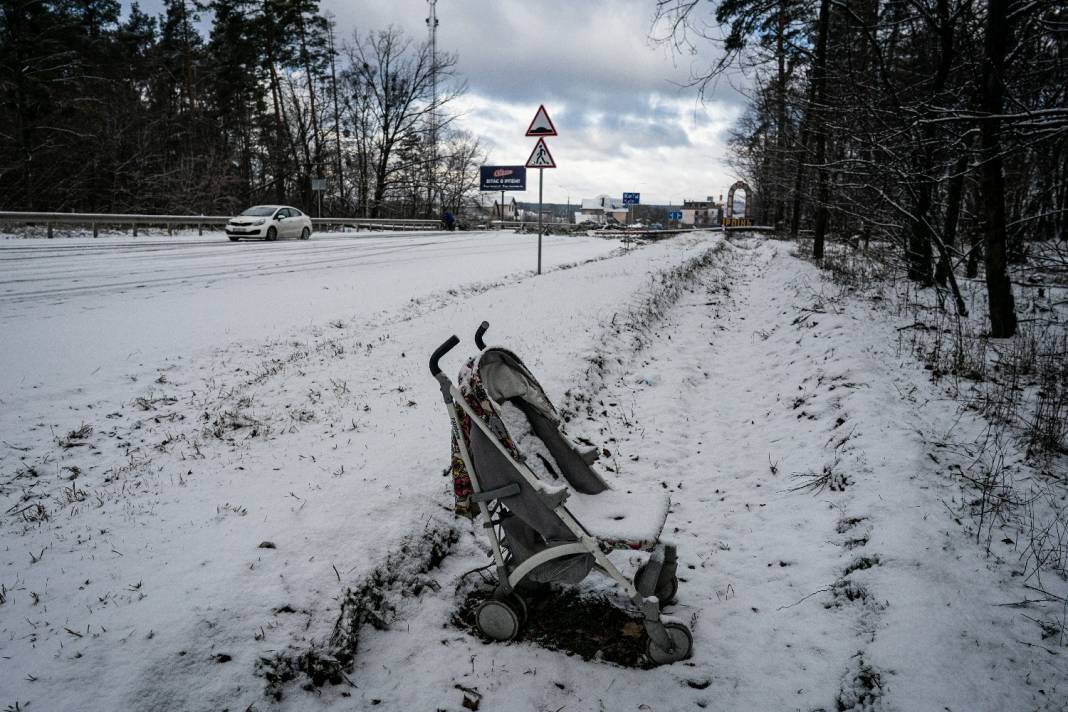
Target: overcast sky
point(625, 124)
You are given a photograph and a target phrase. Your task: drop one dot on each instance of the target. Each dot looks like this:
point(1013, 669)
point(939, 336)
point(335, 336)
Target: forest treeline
point(938, 124)
point(107, 111)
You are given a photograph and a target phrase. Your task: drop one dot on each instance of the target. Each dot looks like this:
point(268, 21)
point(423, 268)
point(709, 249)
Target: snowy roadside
point(820, 567)
point(162, 539)
point(810, 464)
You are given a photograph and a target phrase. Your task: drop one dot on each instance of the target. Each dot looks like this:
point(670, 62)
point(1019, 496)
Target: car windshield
point(259, 211)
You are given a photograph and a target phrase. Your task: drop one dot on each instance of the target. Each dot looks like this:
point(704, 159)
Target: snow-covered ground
point(176, 520)
point(82, 314)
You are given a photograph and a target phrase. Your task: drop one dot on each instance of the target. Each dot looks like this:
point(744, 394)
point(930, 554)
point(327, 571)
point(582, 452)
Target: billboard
point(502, 178)
point(631, 198)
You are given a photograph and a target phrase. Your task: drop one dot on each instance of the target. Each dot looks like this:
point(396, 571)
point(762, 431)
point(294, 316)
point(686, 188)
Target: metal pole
point(541, 177)
point(432, 26)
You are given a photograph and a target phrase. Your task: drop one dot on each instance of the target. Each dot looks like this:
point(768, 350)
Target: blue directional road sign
point(631, 198)
point(676, 215)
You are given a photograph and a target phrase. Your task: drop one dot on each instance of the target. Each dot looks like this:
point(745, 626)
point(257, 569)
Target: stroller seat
point(622, 519)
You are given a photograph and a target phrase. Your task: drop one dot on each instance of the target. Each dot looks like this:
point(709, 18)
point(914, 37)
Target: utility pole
point(432, 28)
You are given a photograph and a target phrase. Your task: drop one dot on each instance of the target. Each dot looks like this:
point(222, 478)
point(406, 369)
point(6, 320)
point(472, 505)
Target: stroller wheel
point(519, 605)
point(682, 639)
point(665, 590)
point(497, 619)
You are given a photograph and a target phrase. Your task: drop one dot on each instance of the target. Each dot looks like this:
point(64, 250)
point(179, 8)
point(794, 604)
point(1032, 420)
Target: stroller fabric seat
point(622, 519)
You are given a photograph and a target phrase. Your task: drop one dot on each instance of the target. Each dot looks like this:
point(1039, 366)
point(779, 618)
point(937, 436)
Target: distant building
point(701, 213)
point(489, 206)
point(600, 210)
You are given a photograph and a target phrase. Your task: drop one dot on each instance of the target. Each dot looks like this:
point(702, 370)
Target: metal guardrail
point(748, 228)
point(95, 220)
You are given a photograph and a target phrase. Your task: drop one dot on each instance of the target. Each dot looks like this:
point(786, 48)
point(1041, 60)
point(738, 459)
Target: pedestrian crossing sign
point(540, 156)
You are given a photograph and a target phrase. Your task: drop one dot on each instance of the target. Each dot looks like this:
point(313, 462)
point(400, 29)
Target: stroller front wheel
point(498, 620)
point(681, 638)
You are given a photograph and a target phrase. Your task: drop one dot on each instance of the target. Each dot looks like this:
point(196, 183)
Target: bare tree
point(396, 78)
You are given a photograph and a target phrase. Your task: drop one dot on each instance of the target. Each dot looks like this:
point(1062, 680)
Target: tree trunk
point(820, 81)
point(918, 254)
point(998, 287)
point(779, 178)
point(342, 193)
point(315, 162)
point(799, 185)
point(918, 250)
point(953, 201)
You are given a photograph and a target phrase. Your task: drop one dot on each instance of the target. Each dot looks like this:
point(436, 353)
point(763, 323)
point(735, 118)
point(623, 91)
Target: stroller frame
point(669, 640)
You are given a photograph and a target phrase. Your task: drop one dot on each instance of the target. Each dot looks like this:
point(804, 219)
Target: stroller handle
point(478, 334)
point(441, 351)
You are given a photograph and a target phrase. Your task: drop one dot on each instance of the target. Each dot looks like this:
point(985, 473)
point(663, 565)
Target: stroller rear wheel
point(519, 605)
point(499, 620)
point(681, 638)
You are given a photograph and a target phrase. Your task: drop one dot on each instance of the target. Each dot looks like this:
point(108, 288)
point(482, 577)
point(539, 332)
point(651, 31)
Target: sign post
point(541, 159)
point(319, 185)
point(631, 199)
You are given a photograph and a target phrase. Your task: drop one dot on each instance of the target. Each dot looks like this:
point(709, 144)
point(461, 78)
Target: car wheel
point(305, 234)
point(272, 233)
point(233, 239)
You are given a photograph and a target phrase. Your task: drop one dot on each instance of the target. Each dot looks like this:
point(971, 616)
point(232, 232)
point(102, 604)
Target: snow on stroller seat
point(549, 514)
point(620, 518)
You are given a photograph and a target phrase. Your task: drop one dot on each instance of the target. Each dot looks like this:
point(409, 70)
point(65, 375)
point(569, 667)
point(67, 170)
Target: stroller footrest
point(509, 490)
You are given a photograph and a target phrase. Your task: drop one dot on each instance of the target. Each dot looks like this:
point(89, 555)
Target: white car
point(269, 222)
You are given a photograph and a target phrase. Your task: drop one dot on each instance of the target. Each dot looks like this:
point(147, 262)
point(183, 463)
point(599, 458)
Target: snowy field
point(206, 447)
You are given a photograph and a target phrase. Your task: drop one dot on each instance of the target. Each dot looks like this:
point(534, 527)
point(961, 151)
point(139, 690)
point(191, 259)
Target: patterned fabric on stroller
point(551, 517)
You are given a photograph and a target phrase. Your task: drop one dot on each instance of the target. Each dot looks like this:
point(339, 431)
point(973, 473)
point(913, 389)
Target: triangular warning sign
point(542, 125)
point(540, 156)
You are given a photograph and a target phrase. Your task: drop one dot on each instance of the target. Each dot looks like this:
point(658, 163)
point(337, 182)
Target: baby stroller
point(550, 516)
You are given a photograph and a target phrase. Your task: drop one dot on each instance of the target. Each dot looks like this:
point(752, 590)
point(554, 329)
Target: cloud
point(596, 51)
point(667, 152)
